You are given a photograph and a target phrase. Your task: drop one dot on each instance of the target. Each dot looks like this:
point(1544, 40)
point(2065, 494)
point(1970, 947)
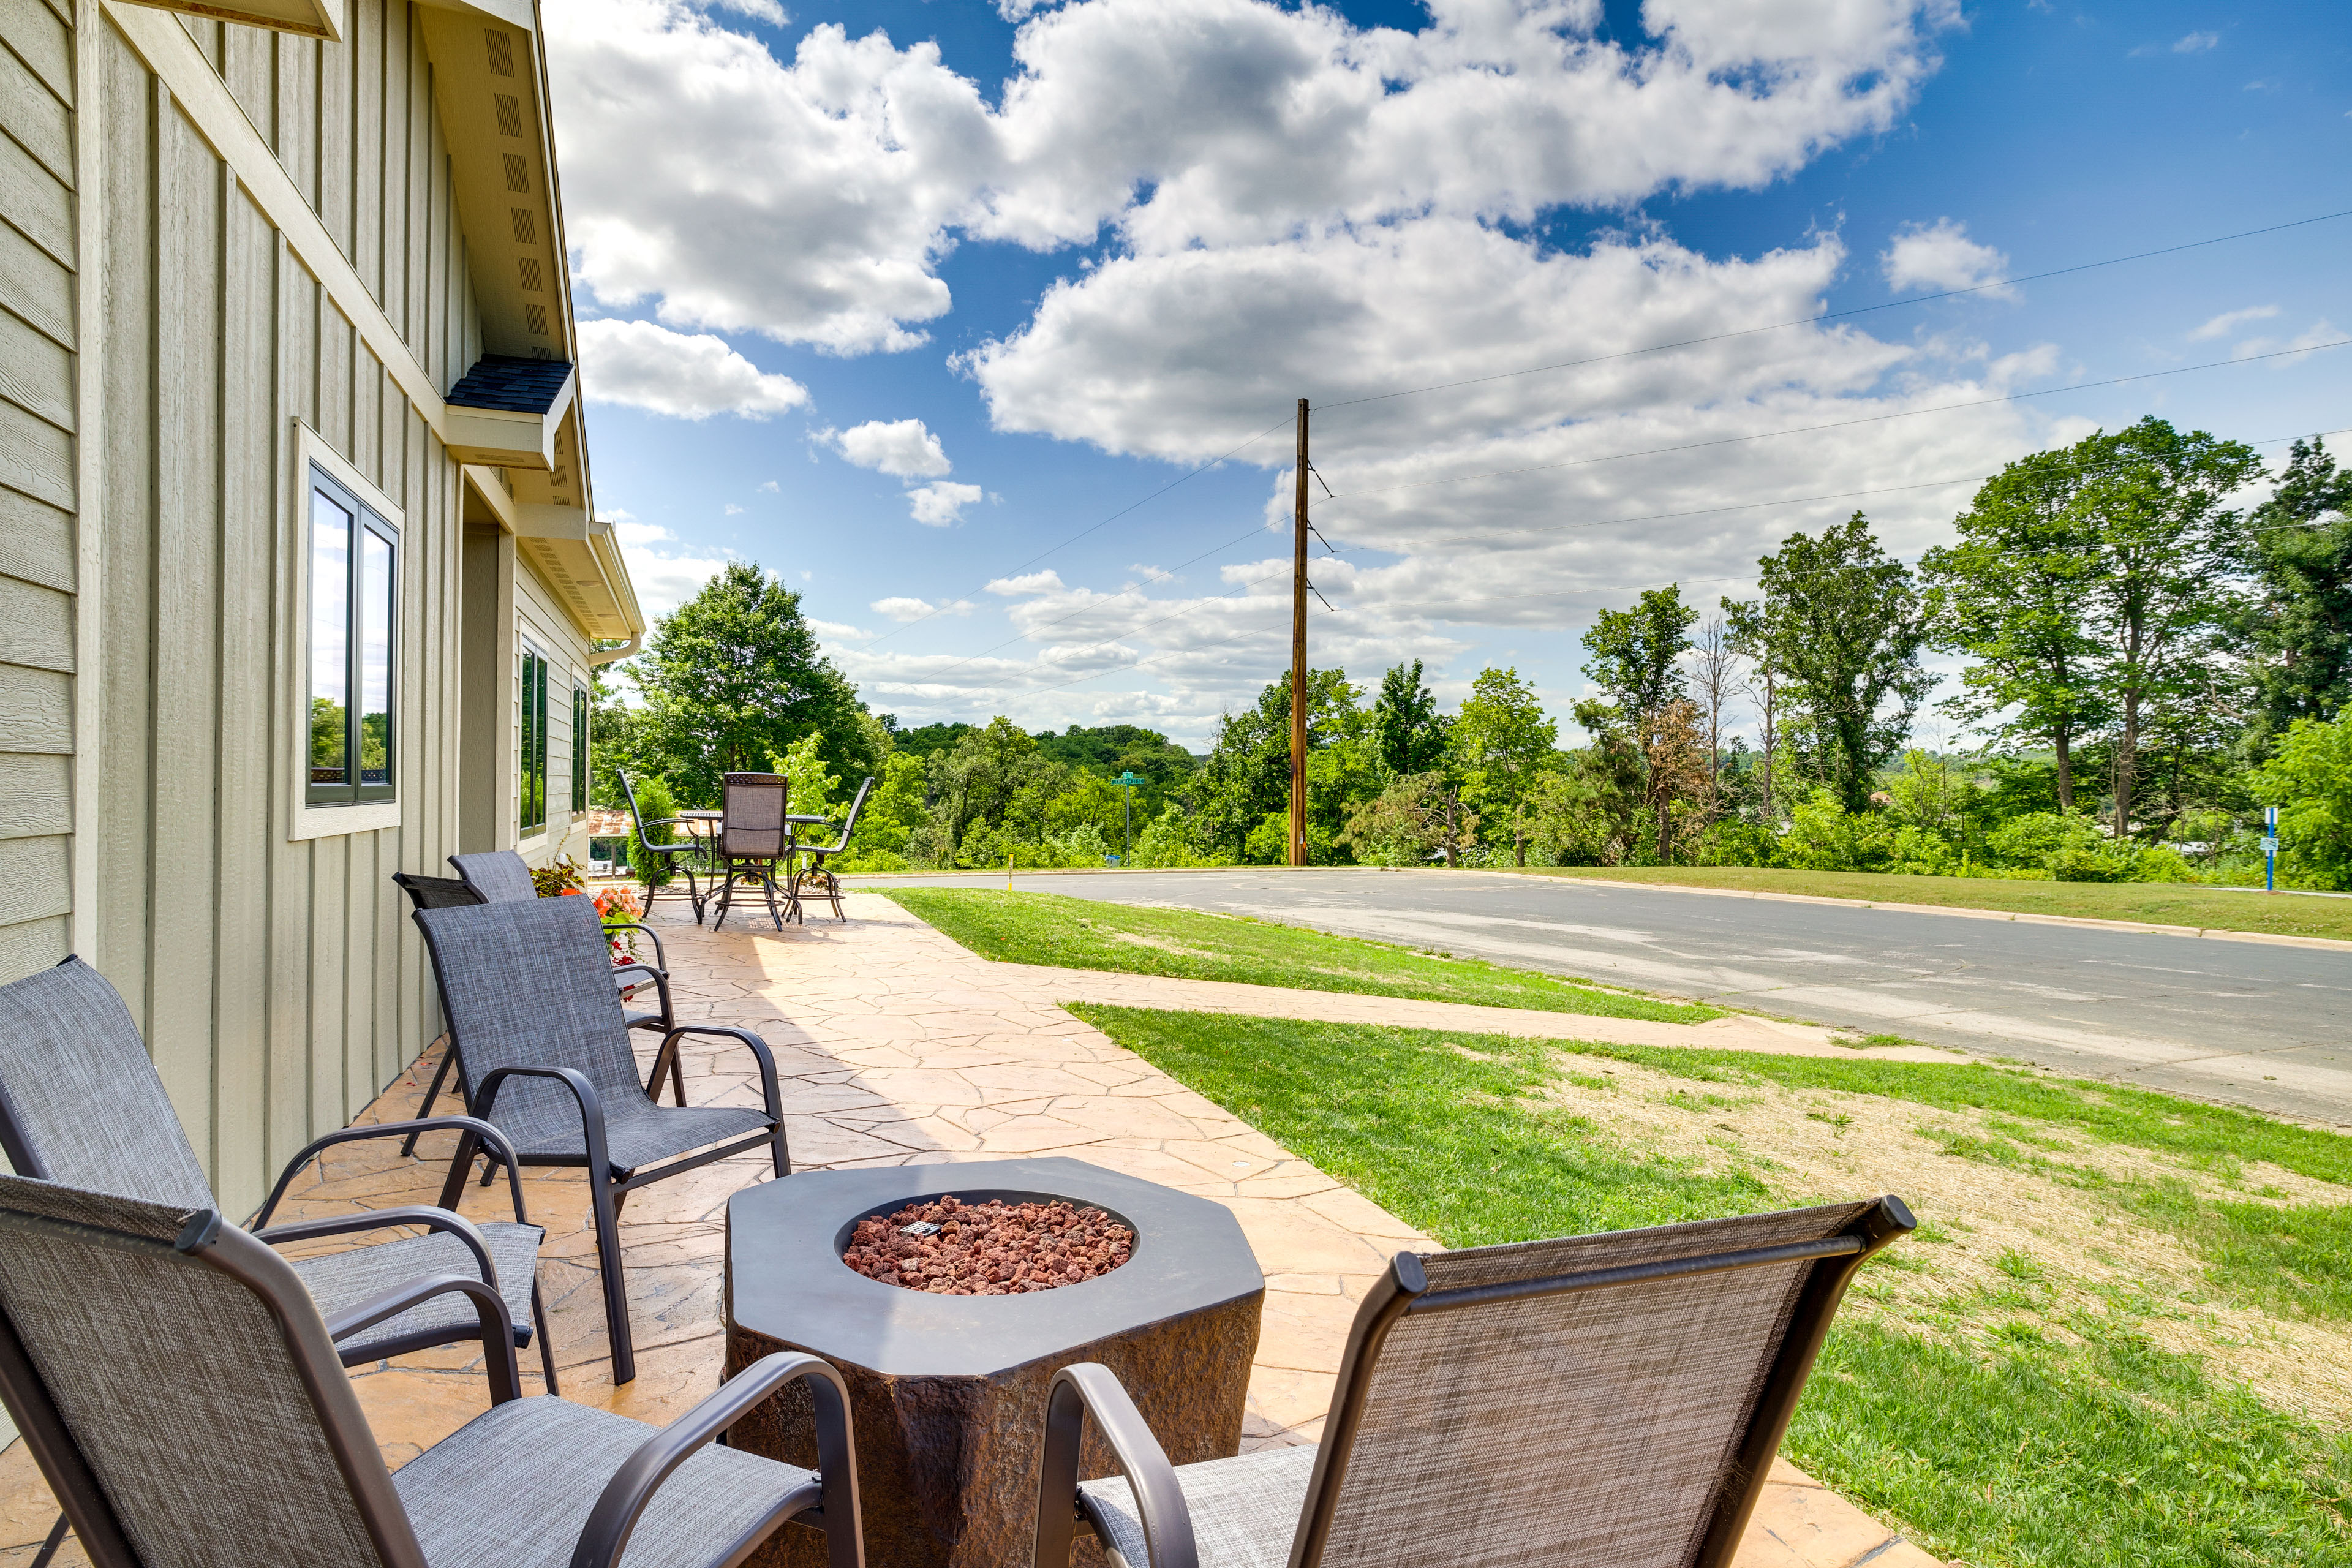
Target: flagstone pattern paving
point(896, 1046)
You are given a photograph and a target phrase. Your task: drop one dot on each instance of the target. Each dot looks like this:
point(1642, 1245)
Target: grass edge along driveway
point(2193, 905)
point(2005, 1422)
point(1062, 932)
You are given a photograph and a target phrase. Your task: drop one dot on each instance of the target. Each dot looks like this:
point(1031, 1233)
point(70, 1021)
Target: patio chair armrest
point(625, 1497)
point(432, 1219)
point(759, 1052)
point(1092, 1388)
point(633, 967)
point(497, 1324)
point(475, 1125)
point(592, 1106)
point(661, 960)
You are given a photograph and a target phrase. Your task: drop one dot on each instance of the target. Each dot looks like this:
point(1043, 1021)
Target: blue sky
point(1089, 246)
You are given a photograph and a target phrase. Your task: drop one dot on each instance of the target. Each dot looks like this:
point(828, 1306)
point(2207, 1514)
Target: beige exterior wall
point(285, 266)
point(38, 569)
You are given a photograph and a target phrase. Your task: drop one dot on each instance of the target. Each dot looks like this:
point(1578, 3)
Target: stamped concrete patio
point(896, 1046)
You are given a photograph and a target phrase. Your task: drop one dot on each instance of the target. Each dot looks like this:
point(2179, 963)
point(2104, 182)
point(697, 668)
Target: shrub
point(558, 878)
point(655, 800)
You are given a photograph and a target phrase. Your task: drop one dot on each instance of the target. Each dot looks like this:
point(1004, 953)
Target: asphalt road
point(2269, 1027)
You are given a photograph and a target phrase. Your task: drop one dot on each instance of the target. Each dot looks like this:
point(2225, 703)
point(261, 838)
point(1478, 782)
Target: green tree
point(1409, 734)
point(734, 675)
point(1636, 653)
point(1843, 625)
point(994, 780)
point(1245, 777)
point(2300, 623)
point(1501, 742)
point(2310, 781)
point(2162, 598)
point(2013, 595)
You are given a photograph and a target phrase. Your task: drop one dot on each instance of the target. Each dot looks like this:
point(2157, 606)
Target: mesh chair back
point(79, 1100)
point(177, 1371)
point(500, 876)
point(752, 826)
point(530, 985)
point(437, 892)
point(1595, 1428)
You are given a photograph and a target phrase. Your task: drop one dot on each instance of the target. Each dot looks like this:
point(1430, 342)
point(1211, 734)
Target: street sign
point(1127, 781)
point(2269, 849)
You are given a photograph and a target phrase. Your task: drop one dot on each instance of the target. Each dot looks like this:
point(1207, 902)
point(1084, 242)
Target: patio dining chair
point(544, 1051)
point(81, 1103)
point(1607, 1400)
point(680, 857)
point(503, 877)
point(753, 836)
point(178, 1390)
point(815, 872)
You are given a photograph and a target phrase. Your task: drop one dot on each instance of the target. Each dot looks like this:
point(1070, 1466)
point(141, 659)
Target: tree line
point(2145, 663)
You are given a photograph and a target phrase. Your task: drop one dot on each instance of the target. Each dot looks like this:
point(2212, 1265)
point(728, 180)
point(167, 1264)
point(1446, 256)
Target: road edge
point(2016, 917)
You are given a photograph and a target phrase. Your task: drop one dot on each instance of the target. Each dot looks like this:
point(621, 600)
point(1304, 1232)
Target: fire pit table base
point(947, 1393)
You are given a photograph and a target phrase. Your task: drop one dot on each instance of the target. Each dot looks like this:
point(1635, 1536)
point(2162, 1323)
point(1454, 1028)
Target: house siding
point(277, 980)
point(37, 482)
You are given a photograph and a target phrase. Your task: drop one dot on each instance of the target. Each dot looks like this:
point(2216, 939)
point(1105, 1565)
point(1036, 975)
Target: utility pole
point(1298, 654)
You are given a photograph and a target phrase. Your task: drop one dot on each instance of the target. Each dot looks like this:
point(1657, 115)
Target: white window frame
point(306, 821)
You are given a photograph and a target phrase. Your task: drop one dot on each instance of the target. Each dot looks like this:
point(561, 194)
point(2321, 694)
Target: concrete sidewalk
point(896, 1045)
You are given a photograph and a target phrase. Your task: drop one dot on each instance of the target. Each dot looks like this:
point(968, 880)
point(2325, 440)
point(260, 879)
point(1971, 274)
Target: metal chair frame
point(680, 856)
point(758, 865)
point(815, 871)
point(827, 1501)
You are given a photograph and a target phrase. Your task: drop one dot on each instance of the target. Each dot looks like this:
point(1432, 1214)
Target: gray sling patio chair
point(180, 1392)
point(543, 1051)
point(677, 857)
point(503, 877)
point(464, 892)
point(753, 836)
point(81, 1103)
point(815, 872)
point(1607, 1400)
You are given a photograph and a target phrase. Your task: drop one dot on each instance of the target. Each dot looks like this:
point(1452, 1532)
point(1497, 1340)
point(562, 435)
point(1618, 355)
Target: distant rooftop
point(515, 386)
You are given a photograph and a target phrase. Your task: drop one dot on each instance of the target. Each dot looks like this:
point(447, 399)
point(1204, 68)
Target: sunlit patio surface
point(896, 1046)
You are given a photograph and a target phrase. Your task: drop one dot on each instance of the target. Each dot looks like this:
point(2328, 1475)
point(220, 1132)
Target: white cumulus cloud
point(902, 448)
point(2195, 43)
point(903, 609)
point(1940, 256)
point(686, 376)
point(940, 504)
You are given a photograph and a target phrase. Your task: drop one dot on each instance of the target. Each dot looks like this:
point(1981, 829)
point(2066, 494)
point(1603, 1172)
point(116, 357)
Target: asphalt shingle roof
point(516, 385)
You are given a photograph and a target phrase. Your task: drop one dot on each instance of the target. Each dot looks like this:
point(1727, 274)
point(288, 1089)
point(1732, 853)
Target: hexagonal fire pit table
point(947, 1393)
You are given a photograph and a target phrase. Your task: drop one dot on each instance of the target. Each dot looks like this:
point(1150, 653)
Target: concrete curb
point(2143, 928)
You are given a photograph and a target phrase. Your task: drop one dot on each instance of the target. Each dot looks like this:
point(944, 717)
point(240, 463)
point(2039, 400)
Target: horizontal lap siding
point(278, 982)
point(37, 609)
point(546, 624)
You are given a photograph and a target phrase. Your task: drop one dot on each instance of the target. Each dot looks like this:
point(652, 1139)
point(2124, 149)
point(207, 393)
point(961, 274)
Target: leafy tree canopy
point(2299, 549)
point(733, 676)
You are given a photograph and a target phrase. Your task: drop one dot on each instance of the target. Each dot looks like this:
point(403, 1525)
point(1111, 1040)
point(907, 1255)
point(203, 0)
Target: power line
point(1837, 423)
point(1839, 315)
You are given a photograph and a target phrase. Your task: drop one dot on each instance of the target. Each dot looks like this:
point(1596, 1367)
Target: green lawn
point(1080, 933)
point(2120, 1335)
point(2157, 904)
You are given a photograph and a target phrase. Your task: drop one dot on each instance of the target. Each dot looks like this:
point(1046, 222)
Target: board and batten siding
point(277, 980)
point(38, 570)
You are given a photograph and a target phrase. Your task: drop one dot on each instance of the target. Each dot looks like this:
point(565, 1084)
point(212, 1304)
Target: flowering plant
point(620, 906)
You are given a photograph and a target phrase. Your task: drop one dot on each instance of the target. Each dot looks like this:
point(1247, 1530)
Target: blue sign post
point(1127, 781)
point(2269, 849)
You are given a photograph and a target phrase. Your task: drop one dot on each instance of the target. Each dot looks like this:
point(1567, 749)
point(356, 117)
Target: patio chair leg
point(676, 1078)
point(49, 1551)
point(616, 1290)
point(461, 1164)
point(546, 1339)
point(779, 1154)
point(432, 1093)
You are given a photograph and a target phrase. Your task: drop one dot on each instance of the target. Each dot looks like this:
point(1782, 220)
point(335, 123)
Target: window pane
point(578, 749)
point(376, 604)
point(330, 670)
